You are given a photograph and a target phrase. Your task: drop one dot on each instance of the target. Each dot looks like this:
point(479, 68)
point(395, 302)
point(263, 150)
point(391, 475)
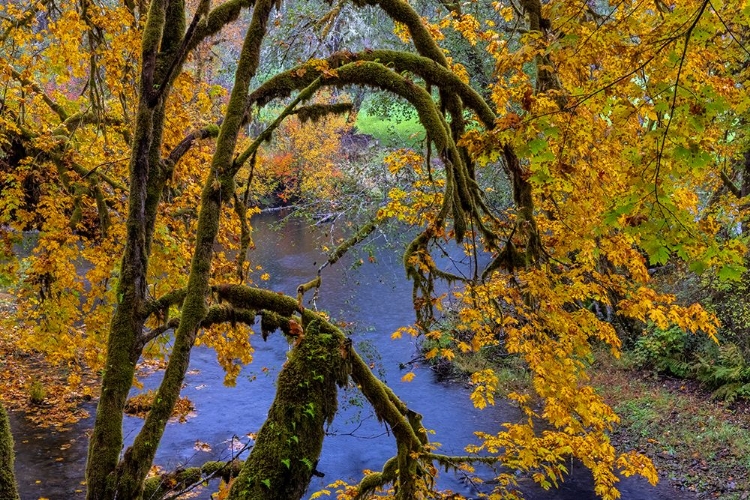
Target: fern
point(728, 373)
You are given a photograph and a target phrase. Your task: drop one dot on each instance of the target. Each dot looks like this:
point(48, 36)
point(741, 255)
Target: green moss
point(315, 112)
point(8, 489)
point(289, 443)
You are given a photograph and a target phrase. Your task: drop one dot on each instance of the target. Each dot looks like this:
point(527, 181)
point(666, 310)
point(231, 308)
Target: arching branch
point(283, 84)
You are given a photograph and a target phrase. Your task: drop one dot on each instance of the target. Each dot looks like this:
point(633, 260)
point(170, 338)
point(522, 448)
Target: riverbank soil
point(699, 444)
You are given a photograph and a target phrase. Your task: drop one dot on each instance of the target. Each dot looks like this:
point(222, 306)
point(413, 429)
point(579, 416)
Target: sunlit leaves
point(624, 155)
point(485, 385)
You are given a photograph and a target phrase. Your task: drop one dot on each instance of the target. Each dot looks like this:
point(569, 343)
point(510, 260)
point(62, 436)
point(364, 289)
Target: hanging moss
point(315, 112)
point(8, 489)
point(288, 445)
point(269, 323)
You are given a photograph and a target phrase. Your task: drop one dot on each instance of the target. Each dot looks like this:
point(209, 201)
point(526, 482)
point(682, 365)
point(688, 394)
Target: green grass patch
point(405, 133)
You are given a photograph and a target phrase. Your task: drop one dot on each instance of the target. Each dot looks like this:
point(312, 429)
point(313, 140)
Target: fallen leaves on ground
point(48, 395)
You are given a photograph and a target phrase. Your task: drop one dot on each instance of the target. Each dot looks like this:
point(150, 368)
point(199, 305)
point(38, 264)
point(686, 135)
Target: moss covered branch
point(161, 486)
point(306, 287)
point(338, 252)
point(187, 142)
point(316, 112)
point(283, 84)
point(219, 17)
point(162, 304)
point(371, 482)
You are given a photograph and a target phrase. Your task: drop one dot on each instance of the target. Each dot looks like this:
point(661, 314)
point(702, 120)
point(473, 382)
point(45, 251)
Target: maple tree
point(301, 163)
point(619, 128)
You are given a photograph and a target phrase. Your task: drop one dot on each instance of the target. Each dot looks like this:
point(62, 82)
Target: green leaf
point(731, 272)
point(697, 266)
point(267, 483)
point(660, 256)
point(657, 251)
point(537, 145)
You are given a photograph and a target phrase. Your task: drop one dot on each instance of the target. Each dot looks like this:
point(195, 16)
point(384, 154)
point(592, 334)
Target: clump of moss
point(37, 392)
point(8, 487)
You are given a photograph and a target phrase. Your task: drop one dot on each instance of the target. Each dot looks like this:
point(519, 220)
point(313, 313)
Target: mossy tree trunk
point(8, 488)
point(165, 47)
point(289, 443)
point(280, 465)
point(324, 357)
point(219, 186)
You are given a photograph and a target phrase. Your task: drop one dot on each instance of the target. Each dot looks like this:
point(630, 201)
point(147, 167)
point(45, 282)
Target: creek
point(374, 298)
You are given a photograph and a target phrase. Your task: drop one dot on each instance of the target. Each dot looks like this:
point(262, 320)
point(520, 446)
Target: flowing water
point(375, 299)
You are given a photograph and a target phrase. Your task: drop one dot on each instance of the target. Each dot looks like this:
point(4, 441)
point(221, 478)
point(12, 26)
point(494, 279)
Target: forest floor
point(697, 443)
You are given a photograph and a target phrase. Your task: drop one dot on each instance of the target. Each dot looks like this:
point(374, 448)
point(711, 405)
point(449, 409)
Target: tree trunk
point(8, 489)
point(289, 443)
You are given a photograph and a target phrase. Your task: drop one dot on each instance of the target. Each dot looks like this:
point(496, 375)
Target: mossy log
point(8, 488)
point(288, 445)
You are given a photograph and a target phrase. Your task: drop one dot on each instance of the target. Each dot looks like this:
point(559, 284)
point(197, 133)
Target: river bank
point(699, 445)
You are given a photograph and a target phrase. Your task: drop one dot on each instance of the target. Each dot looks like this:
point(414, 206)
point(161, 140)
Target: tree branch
point(157, 487)
point(185, 144)
point(53, 105)
point(338, 252)
point(282, 84)
point(729, 184)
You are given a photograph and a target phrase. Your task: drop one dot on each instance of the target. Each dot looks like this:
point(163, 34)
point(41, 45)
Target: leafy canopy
point(619, 129)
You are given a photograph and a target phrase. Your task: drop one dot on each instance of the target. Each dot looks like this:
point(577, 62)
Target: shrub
point(37, 392)
point(666, 351)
